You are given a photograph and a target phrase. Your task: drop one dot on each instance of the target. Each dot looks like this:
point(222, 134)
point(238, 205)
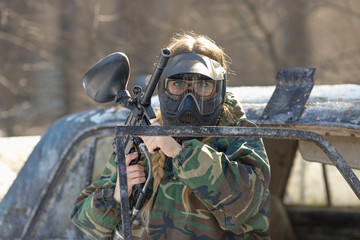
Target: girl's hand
point(167, 144)
point(135, 175)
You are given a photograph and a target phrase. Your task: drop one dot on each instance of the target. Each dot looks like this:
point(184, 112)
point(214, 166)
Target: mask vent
point(188, 118)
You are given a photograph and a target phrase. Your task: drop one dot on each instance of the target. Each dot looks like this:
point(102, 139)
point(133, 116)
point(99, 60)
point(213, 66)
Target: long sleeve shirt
point(229, 179)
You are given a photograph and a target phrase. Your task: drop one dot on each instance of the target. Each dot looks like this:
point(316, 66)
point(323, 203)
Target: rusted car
point(293, 115)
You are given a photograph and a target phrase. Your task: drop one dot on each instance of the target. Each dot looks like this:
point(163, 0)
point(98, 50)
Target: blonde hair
point(182, 43)
point(190, 42)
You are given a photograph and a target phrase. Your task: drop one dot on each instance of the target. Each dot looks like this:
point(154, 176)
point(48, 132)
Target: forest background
point(47, 46)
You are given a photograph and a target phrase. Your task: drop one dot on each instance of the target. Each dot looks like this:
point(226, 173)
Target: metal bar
point(327, 187)
point(122, 178)
point(192, 131)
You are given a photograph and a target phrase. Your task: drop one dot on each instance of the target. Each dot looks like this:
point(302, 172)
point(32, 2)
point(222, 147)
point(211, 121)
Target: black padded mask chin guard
point(190, 117)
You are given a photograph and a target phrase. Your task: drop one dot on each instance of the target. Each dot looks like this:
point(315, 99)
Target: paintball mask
point(191, 90)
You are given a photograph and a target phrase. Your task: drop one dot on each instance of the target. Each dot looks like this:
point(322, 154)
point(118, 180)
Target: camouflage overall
point(230, 182)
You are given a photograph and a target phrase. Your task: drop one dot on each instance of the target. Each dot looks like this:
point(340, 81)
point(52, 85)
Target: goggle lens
point(203, 88)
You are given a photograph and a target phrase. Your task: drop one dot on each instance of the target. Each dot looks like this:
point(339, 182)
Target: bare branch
point(22, 43)
point(6, 83)
point(244, 26)
point(268, 35)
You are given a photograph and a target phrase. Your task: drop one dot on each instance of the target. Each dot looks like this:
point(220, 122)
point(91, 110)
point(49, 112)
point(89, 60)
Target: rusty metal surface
point(122, 178)
point(293, 88)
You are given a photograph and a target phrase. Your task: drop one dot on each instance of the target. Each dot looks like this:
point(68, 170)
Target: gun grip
point(137, 149)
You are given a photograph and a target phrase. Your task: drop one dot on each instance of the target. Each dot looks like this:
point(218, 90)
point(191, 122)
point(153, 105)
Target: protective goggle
point(181, 84)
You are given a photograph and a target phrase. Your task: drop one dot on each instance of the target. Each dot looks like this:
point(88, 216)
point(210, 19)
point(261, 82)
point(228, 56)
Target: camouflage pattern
point(229, 178)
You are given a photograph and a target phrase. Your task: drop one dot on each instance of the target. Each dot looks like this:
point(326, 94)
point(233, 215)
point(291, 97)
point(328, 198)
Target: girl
point(204, 188)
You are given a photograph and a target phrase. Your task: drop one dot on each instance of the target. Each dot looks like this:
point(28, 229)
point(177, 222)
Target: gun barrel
point(160, 65)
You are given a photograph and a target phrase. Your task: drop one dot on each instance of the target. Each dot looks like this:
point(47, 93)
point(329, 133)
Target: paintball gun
point(107, 81)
